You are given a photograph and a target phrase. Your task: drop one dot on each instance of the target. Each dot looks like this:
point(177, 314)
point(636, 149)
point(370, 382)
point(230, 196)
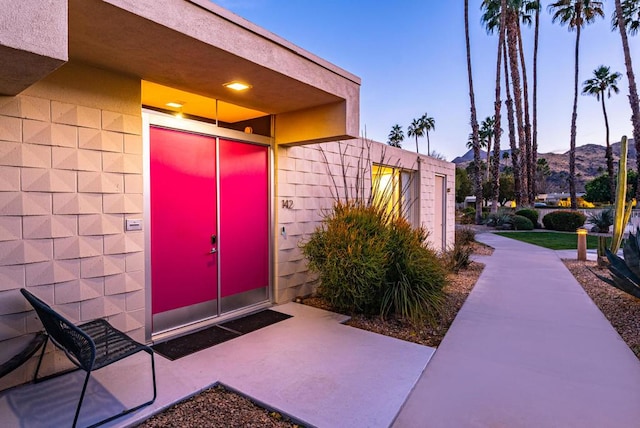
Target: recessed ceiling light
point(237, 86)
point(175, 104)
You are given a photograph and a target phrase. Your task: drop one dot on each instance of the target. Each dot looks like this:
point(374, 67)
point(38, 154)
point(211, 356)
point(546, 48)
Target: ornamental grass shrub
point(414, 274)
point(372, 263)
point(564, 221)
point(349, 254)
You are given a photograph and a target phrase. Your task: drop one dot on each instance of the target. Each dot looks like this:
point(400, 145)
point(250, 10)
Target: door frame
point(443, 209)
point(163, 120)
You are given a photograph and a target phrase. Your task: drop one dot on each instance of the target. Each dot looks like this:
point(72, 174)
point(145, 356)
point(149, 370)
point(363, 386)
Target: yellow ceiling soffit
point(156, 95)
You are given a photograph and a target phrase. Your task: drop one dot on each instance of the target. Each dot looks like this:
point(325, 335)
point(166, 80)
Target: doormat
point(186, 345)
point(255, 321)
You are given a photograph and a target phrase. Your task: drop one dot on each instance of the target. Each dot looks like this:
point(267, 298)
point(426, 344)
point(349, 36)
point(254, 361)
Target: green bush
point(415, 276)
point(458, 257)
point(465, 235)
point(520, 222)
point(529, 213)
point(348, 254)
point(564, 221)
point(372, 264)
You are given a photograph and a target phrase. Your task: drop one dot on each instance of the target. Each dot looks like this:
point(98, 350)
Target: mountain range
point(590, 163)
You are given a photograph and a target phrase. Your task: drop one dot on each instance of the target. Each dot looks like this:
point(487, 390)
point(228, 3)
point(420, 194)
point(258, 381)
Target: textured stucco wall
point(302, 177)
point(70, 173)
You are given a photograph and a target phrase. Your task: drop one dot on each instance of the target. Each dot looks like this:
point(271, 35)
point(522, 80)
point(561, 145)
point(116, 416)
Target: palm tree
point(575, 14)
point(494, 19)
point(603, 81)
point(627, 20)
point(497, 130)
point(474, 120)
point(481, 141)
point(396, 136)
point(415, 130)
point(487, 132)
point(427, 123)
point(534, 132)
point(529, 159)
point(630, 15)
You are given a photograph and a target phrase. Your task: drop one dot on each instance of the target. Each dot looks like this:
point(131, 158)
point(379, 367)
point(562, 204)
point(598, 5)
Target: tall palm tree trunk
point(574, 117)
point(488, 157)
point(633, 91)
point(474, 121)
point(417, 151)
point(534, 137)
point(428, 144)
point(609, 153)
point(515, 155)
point(526, 158)
point(497, 130)
point(512, 42)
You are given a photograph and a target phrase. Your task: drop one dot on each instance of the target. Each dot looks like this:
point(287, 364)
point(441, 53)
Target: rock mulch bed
point(621, 309)
point(219, 407)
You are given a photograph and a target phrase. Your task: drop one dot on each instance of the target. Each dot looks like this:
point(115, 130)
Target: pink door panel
point(244, 219)
point(183, 220)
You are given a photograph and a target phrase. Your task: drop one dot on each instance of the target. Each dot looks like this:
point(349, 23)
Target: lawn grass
point(551, 240)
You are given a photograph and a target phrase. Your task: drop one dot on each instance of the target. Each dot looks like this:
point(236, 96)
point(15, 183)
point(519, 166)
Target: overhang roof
point(196, 46)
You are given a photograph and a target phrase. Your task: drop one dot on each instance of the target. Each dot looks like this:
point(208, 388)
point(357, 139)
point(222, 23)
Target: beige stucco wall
point(70, 173)
point(302, 178)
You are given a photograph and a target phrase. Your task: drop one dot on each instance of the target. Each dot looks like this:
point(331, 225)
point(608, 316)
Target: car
point(540, 205)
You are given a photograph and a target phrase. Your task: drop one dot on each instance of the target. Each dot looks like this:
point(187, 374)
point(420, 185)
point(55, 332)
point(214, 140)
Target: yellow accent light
point(237, 86)
point(175, 104)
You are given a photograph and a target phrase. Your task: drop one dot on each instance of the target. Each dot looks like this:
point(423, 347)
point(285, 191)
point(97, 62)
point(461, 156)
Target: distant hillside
point(590, 163)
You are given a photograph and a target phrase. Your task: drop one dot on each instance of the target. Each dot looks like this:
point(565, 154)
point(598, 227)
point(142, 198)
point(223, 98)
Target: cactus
point(622, 209)
point(625, 273)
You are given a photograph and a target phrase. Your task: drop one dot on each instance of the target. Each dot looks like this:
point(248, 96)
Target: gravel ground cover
point(219, 407)
point(621, 309)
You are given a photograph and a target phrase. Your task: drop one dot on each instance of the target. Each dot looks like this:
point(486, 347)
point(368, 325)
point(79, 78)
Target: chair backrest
point(64, 334)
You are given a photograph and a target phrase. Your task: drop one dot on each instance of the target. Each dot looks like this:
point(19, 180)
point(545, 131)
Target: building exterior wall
point(305, 190)
point(70, 173)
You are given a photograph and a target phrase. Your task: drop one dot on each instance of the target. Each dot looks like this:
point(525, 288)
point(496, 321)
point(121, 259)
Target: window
point(394, 188)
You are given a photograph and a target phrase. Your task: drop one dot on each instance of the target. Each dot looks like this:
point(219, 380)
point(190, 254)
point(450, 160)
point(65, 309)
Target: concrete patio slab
point(310, 367)
point(528, 349)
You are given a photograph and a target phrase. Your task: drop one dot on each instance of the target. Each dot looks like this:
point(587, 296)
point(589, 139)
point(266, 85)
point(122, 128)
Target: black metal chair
point(90, 346)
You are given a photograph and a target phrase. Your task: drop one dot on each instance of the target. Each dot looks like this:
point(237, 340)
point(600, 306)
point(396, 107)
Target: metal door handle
point(213, 251)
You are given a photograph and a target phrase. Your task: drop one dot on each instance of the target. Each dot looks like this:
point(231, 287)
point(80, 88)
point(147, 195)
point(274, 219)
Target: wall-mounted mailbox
point(133, 224)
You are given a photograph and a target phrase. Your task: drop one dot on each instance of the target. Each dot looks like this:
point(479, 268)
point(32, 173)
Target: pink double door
point(209, 226)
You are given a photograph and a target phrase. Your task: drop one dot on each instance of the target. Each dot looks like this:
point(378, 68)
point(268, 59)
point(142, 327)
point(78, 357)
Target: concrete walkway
point(528, 349)
point(310, 367)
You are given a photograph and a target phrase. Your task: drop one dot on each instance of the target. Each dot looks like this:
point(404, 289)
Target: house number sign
point(287, 203)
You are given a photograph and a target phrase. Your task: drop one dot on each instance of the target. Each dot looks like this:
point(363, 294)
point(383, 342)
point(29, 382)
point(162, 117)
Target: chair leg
point(44, 348)
point(133, 409)
point(84, 389)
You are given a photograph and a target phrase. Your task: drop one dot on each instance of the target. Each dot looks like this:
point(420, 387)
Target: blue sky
point(410, 55)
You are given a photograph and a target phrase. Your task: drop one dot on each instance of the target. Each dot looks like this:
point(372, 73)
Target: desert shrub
point(347, 253)
point(373, 264)
point(468, 215)
point(415, 275)
point(520, 222)
point(457, 257)
point(499, 220)
point(565, 221)
point(529, 213)
point(465, 235)
point(602, 220)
